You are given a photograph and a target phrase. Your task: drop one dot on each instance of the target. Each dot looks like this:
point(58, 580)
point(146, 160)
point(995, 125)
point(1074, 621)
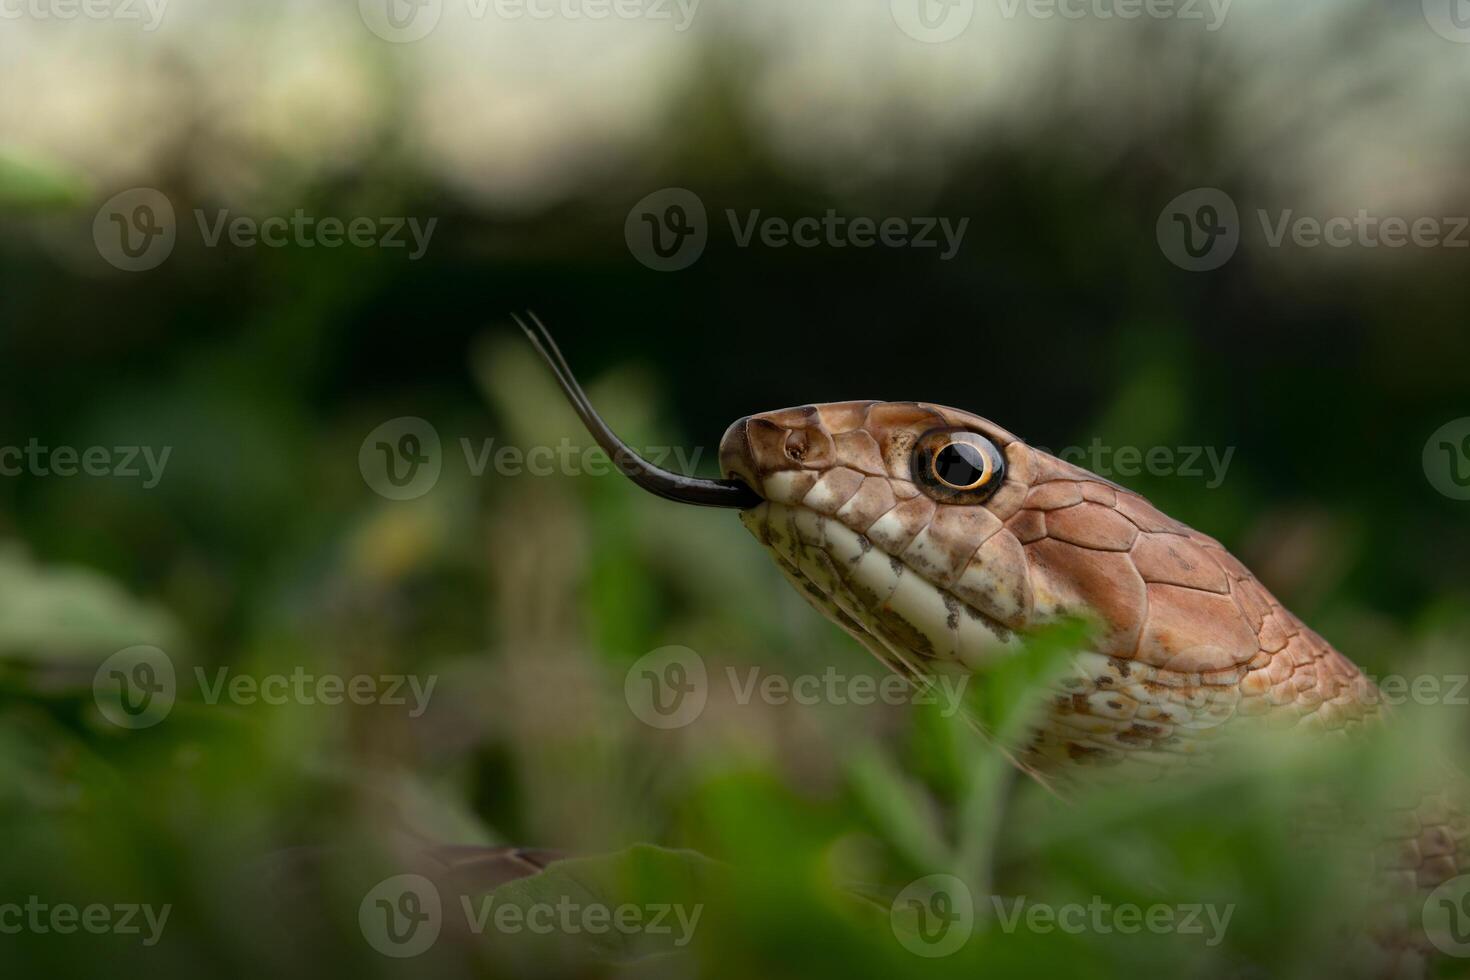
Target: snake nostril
point(797, 445)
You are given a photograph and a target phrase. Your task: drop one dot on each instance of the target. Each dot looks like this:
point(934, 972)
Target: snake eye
point(963, 467)
point(958, 465)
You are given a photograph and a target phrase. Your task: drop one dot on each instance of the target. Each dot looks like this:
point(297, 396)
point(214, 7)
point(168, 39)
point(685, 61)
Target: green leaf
point(894, 804)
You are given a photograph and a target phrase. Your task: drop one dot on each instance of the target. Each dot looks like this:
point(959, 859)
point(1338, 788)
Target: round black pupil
point(960, 464)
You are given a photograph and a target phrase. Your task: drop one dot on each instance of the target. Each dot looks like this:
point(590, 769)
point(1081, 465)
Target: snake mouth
point(910, 623)
point(733, 493)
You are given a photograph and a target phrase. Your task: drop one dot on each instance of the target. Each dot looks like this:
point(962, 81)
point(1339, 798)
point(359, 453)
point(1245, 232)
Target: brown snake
point(938, 539)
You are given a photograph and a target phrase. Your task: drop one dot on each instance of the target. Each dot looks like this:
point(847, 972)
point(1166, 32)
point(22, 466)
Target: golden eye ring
point(963, 466)
point(958, 466)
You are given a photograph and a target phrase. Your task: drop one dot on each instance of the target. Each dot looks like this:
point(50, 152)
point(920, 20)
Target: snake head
point(892, 519)
point(936, 536)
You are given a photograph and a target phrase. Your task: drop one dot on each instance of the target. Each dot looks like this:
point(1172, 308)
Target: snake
point(939, 541)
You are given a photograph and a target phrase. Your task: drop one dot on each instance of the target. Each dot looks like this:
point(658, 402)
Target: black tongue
point(671, 486)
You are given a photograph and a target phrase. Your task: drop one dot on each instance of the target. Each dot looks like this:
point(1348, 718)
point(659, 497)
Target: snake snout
point(737, 462)
point(791, 439)
point(757, 446)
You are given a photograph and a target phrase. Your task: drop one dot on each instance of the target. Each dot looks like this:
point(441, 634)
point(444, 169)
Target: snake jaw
point(912, 624)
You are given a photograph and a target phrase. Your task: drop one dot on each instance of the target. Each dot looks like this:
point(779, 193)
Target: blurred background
point(245, 245)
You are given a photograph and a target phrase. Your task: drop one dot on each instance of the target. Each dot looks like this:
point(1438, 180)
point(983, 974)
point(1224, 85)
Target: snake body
point(1190, 645)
